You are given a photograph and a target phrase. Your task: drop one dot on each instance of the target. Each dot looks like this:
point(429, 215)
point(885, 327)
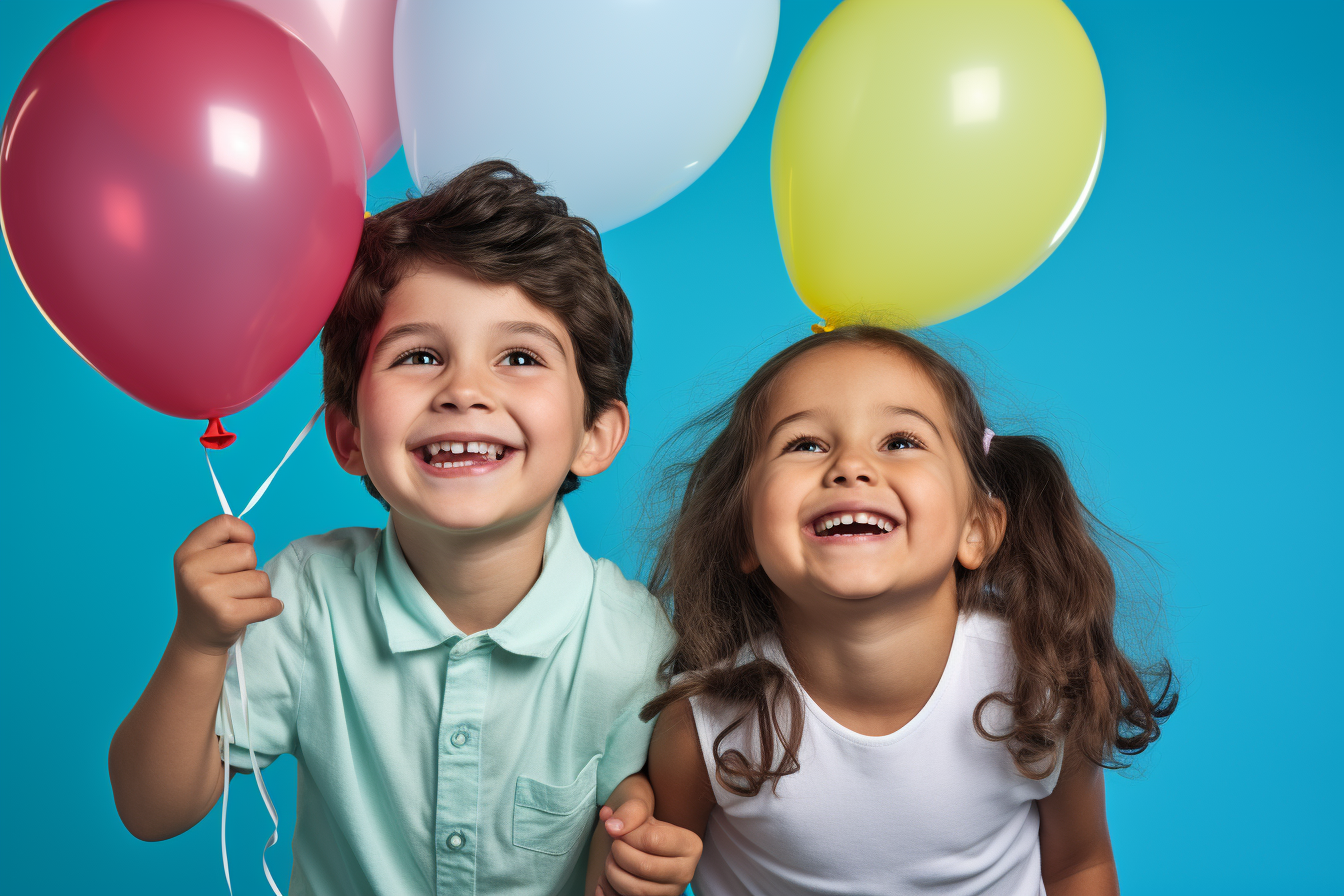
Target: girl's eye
point(901, 441)
point(809, 445)
point(416, 356)
point(520, 357)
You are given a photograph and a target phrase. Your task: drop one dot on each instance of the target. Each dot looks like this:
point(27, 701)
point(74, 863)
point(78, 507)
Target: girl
point(895, 669)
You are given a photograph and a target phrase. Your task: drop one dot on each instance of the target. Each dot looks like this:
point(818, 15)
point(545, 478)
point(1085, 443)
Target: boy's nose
point(462, 390)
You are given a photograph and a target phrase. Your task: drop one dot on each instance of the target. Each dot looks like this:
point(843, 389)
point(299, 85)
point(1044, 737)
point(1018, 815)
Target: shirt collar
point(533, 628)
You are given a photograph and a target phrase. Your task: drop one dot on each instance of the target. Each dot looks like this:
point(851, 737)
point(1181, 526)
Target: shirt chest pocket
point(552, 819)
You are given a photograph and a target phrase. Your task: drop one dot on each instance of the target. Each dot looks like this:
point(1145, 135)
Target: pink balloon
point(182, 191)
point(353, 38)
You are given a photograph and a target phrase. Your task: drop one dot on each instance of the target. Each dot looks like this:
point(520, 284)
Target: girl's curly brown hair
point(1047, 578)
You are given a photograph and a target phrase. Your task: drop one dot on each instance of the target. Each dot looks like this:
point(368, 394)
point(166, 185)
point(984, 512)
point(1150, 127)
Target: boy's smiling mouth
point(476, 455)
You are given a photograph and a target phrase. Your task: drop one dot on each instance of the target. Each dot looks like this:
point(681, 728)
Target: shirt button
point(455, 840)
point(459, 738)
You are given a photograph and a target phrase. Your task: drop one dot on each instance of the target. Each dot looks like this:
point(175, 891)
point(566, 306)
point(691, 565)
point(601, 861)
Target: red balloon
point(182, 191)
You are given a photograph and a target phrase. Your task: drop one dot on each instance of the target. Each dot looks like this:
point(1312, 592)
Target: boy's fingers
point(627, 817)
point(658, 838)
point(248, 612)
point(222, 590)
point(232, 556)
point(627, 884)
point(217, 530)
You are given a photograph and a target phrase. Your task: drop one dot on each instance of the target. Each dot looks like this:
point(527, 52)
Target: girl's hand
point(220, 591)
point(648, 857)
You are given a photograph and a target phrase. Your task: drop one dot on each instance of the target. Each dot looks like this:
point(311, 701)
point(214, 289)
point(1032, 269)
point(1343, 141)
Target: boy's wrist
point(182, 642)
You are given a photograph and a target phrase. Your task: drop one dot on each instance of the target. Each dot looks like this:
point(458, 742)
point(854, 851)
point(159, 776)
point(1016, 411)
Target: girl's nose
point(850, 468)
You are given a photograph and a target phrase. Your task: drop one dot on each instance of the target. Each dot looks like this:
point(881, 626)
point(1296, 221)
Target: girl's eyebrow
point(897, 409)
point(792, 418)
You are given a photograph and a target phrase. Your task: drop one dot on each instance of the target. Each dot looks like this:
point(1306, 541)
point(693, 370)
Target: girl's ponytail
point(1053, 584)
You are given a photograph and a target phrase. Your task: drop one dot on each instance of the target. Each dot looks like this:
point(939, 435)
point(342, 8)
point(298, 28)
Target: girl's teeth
point(433, 448)
point(863, 519)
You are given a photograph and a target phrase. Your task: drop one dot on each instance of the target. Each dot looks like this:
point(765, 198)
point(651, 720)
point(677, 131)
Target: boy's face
point(470, 406)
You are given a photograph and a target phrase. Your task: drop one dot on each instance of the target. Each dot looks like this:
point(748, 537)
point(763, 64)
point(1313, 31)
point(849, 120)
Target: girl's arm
point(677, 771)
point(1076, 854)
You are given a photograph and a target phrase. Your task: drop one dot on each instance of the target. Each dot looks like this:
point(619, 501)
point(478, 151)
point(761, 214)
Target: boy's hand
point(220, 591)
point(648, 857)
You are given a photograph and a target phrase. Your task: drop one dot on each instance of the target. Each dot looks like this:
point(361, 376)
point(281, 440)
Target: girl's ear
point(980, 539)
point(343, 436)
point(602, 440)
point(749, 563)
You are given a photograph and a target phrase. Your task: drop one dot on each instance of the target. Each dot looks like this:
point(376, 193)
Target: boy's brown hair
point(493, 221)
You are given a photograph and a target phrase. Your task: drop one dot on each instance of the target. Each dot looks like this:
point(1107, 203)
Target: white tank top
point(930, 808)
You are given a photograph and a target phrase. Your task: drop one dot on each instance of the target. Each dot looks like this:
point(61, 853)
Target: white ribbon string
point(236, 657)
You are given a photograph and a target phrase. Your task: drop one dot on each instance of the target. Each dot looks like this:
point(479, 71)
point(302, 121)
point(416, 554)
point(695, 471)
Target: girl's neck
point(872, 665)
point(477, 578)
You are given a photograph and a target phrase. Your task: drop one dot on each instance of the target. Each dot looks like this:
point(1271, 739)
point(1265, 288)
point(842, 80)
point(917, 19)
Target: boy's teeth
point(489, 450)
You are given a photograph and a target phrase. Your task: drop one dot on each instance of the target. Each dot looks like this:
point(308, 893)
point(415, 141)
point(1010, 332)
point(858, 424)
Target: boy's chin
point(472, 521)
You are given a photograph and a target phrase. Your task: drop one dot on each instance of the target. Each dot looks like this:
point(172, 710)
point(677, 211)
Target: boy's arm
point(634, 854)
point(164, 760)
point(635, 787)
point(1076, 853)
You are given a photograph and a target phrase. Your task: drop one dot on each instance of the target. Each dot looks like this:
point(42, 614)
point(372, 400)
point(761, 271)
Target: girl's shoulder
point(985, 626)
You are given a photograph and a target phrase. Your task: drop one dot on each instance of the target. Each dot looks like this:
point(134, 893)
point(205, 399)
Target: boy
point(462, 688)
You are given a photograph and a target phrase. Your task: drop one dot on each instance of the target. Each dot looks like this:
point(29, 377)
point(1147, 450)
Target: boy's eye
point(416, 356)
point(519, 357)
point(900, 441)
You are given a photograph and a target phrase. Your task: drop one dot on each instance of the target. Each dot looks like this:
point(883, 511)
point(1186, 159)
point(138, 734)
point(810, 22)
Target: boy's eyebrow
point(414, 329)
point(522, 326)
point(897, 409)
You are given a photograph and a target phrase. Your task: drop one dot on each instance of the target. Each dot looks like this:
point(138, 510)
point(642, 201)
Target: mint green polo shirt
point(433, 762)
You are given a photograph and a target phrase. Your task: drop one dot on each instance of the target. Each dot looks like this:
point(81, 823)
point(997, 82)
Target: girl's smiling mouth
point(848, 524)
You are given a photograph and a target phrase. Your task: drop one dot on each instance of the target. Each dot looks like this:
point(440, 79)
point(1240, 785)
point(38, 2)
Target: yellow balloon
point(929, 154)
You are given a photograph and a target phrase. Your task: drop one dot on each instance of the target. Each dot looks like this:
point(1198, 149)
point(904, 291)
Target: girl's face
point(860, 491)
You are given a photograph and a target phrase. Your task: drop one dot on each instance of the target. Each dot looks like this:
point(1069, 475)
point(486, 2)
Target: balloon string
point(236, 657)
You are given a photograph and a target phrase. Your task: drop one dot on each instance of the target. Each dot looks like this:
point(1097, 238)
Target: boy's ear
point(983, 532)
point(343, 436)
point(602, 440)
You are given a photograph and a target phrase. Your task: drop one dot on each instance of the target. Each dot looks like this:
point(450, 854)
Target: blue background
point(1181, 345)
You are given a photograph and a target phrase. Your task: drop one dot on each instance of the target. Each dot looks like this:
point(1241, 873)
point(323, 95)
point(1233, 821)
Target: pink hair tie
point(989, 436)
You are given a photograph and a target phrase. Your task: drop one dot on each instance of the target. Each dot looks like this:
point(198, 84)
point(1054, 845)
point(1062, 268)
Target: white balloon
point(618, 105)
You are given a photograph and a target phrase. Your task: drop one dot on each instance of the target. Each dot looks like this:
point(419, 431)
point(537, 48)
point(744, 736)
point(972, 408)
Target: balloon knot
point(822, 327)
point(216, 436)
